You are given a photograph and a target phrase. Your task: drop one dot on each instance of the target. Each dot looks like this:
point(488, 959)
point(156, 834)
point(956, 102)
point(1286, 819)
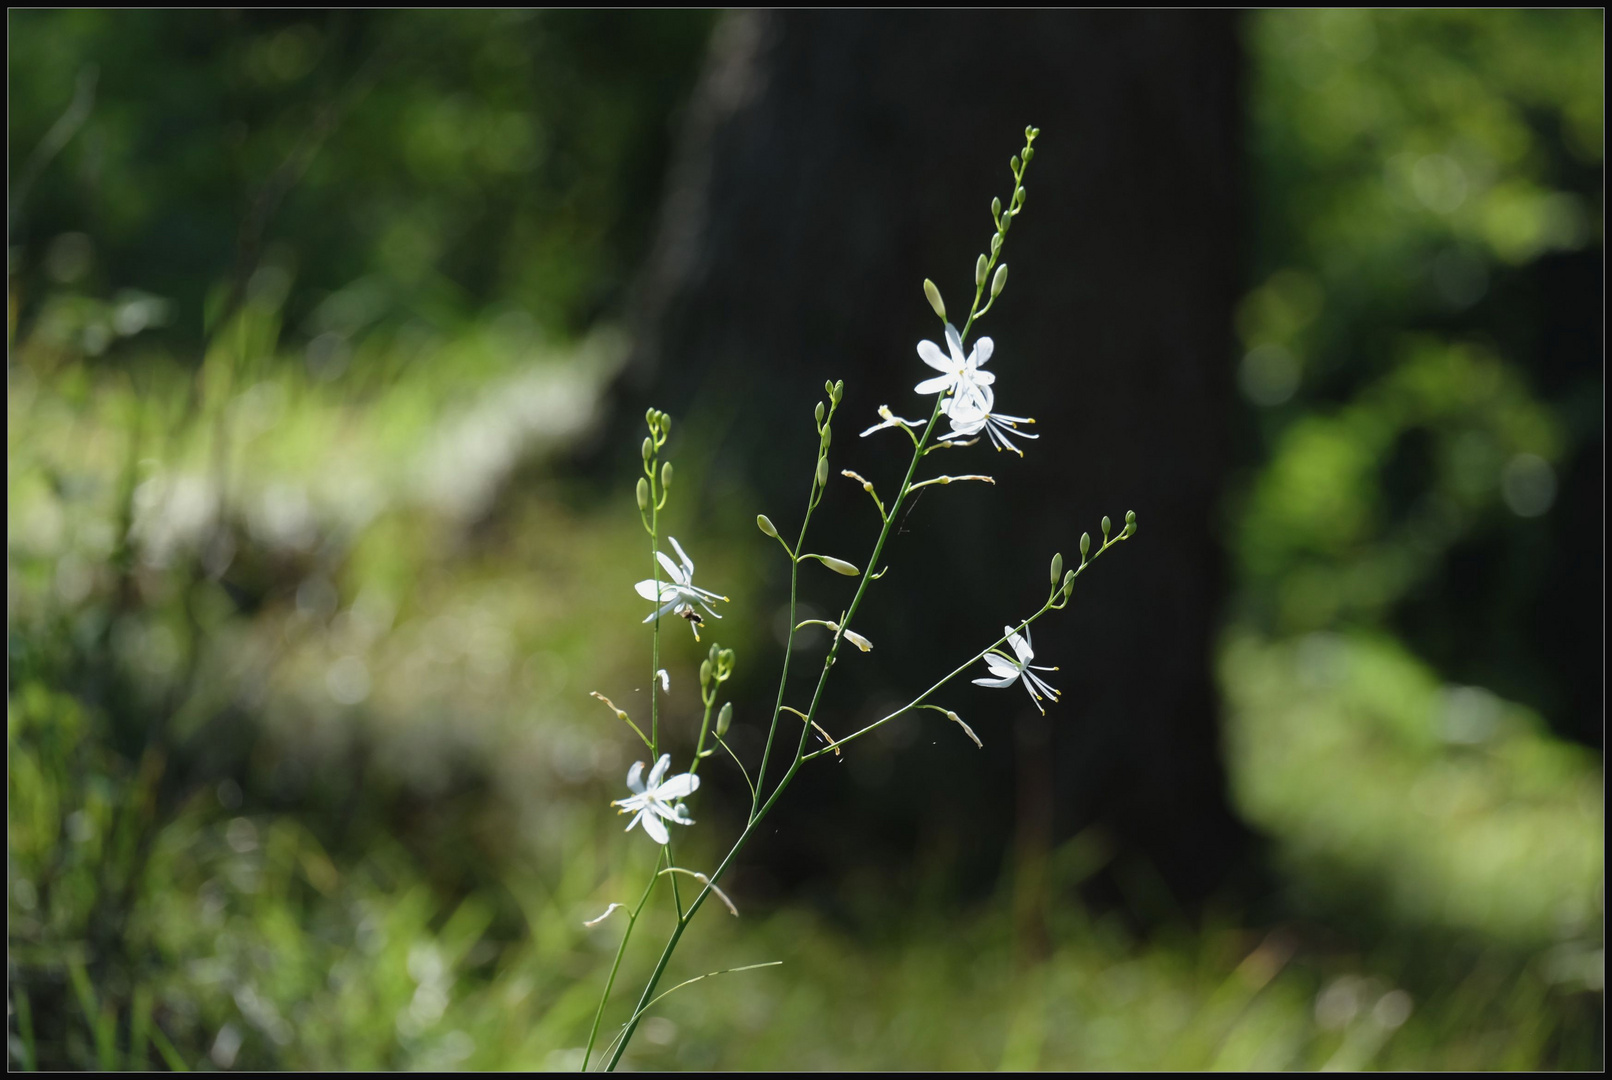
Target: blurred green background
point(307, 311)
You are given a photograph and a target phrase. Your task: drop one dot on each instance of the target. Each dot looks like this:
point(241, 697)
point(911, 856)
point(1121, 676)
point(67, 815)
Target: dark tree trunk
point(832, 161)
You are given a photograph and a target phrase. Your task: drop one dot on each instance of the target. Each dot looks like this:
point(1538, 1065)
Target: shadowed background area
point(330, 336)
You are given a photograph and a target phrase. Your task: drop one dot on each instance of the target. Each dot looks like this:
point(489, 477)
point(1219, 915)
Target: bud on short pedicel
point(1057, 567)
point(979, 271)
point(1106, 526)
point(648, 449)
point(724, 719)
point(839, 566)
point(999, 280)
point(819, 413)
point(822, 471)
point(934, 298)
point(764, 523)
point(666, 476)
point(1085, 544)
point(643, 494)
point(705, 673)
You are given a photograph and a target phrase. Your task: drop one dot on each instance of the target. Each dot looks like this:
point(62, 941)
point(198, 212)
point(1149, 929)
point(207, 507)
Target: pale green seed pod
point(666, 476)
point(643, 493)
point(934, 298)
point(979, 271)
point(999, 281)
point(1085, 544)
point(1106, 526)
point(822, 471)
point(764, 523)
point(724, 718)
point(1057, 568)
point(839, 566)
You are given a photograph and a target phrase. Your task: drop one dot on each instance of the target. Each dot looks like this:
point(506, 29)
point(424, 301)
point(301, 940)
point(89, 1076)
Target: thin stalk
point(632, 921)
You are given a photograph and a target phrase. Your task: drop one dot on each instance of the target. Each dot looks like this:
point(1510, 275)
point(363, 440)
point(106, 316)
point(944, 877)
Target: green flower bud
point(1057, 567)
point(1085, 544)
point(839, 390)
point(666, 476)
point(724, 659)
point(999, 280)
point(724, 718)
point(648, 449)
point(819, 414)
point(996, 243)
point(828, 436)
point(979, 271)
point(705, 673)
point(764, 523)
point(839, 566)
point(996, 207)
point(666, 420)
point(1028, 154)
point(649, 418)
point(1015, 163)
point(822, 471)
point(1130, 517)
point(934, 298)
point(1105, 526)
point(643, 494)
point(1068, 582)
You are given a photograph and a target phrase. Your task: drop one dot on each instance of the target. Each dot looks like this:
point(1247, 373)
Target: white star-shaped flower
point(1008, 671)
point(679, 594)
point(649, 804)
point(970, 416)
point(959, 374)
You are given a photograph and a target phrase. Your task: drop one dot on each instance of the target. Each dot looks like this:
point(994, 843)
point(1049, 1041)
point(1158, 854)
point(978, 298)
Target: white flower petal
point(659, 771)
point(688, 563)
point(635, 777)
point(930, 354)
point(655, 830)
point(1001, 667)
point(997, 684)
point(983, 348)
point(665, 681)
point(672, 569)
point(680, 786)
point(954, 342)
point(936, 385)
point(1020, 643)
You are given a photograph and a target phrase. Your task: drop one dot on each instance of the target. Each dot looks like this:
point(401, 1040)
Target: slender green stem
point(621, 950)
point(1053, 604)
point(759, 809)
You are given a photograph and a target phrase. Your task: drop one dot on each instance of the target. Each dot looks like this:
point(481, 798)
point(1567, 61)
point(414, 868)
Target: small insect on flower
point(960, 374)
point(650, 803)
point(680, 594)
point(1008, 671)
